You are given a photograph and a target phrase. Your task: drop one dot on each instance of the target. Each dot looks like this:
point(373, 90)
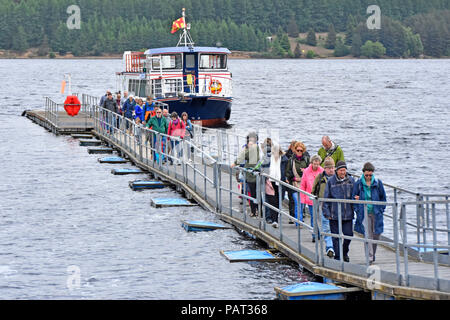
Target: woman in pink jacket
point(177, 128)
point(308, 177)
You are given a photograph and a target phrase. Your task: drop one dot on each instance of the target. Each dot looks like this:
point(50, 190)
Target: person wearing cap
point(330, 149)
point(369, 188)
point(318, 190)
point(309, 175)
point(340, 186)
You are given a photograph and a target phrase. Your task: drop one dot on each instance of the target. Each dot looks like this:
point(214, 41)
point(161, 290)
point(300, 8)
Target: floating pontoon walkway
point(425, 275)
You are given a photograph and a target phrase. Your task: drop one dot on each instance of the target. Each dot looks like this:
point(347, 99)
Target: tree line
point(113, 26)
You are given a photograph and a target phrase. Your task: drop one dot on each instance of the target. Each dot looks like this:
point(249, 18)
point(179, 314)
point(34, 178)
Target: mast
point(185, 37)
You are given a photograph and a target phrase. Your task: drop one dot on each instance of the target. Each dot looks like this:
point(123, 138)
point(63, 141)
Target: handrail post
point(405, 241)
point(396, 243)
point(322, 237)
point(318, 236)
point(366, 227)
point(448, 220)
point(435, 253)
point(341, 240)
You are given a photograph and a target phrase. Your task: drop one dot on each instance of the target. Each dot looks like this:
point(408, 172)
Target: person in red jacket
point(177, 128)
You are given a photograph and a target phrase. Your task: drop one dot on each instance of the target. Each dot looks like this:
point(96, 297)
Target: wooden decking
point(294, 242)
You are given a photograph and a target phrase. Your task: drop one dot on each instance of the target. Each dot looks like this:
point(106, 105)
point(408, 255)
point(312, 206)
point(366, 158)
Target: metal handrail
point(401, 221)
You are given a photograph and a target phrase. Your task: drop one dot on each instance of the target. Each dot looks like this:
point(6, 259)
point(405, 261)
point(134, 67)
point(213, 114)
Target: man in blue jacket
point(128, 109)
point(369, 188)
point(340, 186)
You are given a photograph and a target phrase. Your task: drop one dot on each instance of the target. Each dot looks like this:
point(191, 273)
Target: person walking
point(127, 110)
point(177, 128)
point(309, 175)
point(369, 188)
point(285, 159)
point(294, 172)
point(318, 190)
point(249, 158)
point(272, 188)
point(111, 108)
point(159, 124)
point(330, 149)
point(340, 186)
point(138, 110)
point(189, 135)
point(148, 110)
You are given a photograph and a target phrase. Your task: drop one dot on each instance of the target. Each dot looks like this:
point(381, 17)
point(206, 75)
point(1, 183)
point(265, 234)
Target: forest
point(409, 28)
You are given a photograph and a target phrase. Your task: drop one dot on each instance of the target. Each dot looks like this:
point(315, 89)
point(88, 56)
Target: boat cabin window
point(190, 61)
point(168, 61)
point(213, 61)
point(138, 87)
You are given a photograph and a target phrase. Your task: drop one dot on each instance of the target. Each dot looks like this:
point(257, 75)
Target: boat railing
point(167, 85)
point(411, 239)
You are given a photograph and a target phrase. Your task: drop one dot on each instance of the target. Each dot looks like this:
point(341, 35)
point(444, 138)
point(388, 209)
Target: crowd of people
point(323, 175)
point(148, 115)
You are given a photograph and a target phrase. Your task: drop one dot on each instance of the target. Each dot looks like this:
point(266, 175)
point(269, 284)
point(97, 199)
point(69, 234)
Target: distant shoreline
point(235, 55)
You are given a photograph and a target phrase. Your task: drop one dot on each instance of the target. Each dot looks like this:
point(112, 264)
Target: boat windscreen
point(167, 61)
point(213, 61)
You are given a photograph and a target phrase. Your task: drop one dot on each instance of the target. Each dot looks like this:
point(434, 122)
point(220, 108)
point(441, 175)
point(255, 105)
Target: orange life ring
point(215, 87)
point(72, 105)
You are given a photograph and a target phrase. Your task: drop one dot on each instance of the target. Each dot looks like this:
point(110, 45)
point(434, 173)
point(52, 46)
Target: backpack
point(316, 190)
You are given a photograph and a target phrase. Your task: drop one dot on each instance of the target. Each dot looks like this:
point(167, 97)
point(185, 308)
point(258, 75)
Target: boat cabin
point(177, 72)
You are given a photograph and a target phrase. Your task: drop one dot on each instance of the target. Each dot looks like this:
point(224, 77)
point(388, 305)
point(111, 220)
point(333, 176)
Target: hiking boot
point(346, 259)
point(275, 224)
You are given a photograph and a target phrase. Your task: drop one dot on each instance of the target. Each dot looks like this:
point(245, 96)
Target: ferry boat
point(190, 79)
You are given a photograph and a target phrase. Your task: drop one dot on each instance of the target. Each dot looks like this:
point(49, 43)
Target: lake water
point(62, 211)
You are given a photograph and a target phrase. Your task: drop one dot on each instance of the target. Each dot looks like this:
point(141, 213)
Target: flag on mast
point(178, 24)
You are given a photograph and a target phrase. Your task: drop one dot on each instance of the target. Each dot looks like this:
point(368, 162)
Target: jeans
point(311, 213)
point(347, 229)
point(159, 144)
point(177, 151)
point(327, 239)
point(297, 206)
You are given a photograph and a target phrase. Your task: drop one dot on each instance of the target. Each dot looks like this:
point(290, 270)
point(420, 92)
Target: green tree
point(331, 38)
point(311, 38)
point(297, 51)
point(356, 44)
point(341, 50)
point(292, 28)
point(373, 49)
point(310, 54)
point(284, 42)
point(19, 41)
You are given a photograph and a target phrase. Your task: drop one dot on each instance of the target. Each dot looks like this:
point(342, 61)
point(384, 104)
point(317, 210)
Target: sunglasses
point(299, 150)
point(367, 175)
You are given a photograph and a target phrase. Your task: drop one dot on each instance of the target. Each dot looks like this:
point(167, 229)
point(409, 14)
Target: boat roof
point(186, 49)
